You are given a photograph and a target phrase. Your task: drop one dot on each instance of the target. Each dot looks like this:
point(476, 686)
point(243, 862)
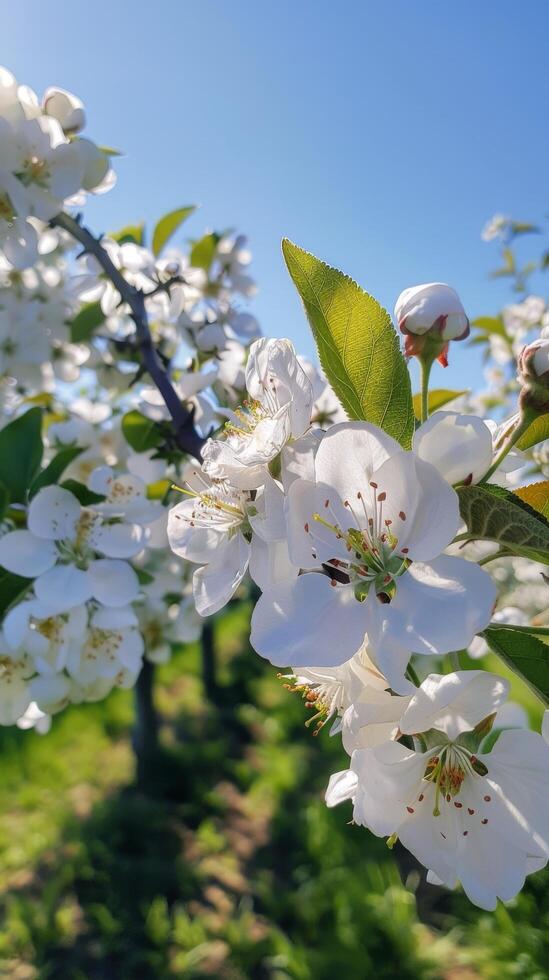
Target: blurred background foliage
point(225, 861)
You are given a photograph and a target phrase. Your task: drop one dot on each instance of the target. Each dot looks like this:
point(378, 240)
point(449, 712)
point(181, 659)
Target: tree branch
point(186, 436)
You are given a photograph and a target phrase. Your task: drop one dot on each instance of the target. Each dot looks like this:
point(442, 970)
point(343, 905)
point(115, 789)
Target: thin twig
point(186, 436)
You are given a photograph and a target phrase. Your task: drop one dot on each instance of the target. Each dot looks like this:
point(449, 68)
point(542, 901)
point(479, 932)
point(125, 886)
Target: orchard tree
point(157, 455)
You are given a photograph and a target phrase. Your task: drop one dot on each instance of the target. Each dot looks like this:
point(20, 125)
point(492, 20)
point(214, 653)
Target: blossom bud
point(430, 316)
point(533, 375)
point(66, 108)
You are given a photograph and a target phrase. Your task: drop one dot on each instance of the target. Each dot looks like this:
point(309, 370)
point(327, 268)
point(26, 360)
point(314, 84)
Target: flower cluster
point(352, 543)
point(44, 163)
point(144, 420)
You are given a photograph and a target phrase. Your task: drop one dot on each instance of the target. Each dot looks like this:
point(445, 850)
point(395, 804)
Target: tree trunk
point(207, 644)
point(145, 733)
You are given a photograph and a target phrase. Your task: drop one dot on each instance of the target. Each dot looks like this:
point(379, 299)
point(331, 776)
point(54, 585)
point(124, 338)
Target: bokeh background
point(381, 137)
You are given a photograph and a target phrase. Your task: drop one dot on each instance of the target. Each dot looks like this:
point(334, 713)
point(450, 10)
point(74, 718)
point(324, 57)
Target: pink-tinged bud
point(66, 108)
point(533, 375)
point(430, 316)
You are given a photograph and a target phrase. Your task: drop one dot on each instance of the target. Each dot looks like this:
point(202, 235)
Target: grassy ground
point(229, 866)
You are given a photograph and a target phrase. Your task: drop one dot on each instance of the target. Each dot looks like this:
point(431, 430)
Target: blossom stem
point(426, 363)
point(187, 438)
point(523, 424)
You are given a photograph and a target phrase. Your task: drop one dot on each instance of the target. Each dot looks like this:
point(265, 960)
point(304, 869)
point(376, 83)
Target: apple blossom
point(60, 547)
point(431, 314)
point(279, 410)
point(331, 690)
point(468, 816)
point(214, 527)
point(369, 532)
point(67, 108)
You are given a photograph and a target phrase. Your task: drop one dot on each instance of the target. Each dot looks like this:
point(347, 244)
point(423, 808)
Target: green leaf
point(86, 321)
point(509, 266)
point(55, 469)
point(437, 398)
point(81, 492)
point(538, 431)
point(144, 578)
point(524, 228)
point(490, 324)
point(526, 651)
point(357, 345)
point(168, 225)
point(537, 496)
point(494, 514)
point(203, 251)
point(21, 453)
point(12, 587)
point(130, 233)
point(141, 433)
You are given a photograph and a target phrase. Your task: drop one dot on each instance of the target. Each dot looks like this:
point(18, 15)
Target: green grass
point(230, 865)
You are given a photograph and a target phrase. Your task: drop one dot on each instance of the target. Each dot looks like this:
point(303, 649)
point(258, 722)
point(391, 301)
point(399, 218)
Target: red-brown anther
point(421, 797)
point(448, 797)
point(374, 485)
point(459, 805)
point(485, 820)
point(410, 809)
point(382, 496)
point(465, 832)
point(388, 523)
point(469, 811)
point(487, 799)
point(402, 515)
point(306, 526)
point(404, 551)
point(326, 503)
point(333, 582)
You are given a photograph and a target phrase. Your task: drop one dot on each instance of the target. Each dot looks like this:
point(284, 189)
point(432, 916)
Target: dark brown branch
point(186, 436)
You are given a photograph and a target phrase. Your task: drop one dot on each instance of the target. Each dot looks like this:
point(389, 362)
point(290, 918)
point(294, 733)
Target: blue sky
point(378, 135)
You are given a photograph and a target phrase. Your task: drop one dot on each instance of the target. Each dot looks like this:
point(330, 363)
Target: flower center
point(35, 171)
point(448, 768)
point(375, 558)
point(248, 417)
point(217, 504)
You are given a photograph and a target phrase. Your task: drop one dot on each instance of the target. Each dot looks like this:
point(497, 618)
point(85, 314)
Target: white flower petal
point(64, 584)
point(214, 584)
point(53, 513)
point(349, 454)
point(341, 787)
point(459, 446)
point(308, 623)
point(22, 553)
point(439, 606)
point(454, 703)
point(113, 582)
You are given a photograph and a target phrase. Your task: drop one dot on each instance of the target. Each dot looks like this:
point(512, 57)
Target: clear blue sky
point(378, 135)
